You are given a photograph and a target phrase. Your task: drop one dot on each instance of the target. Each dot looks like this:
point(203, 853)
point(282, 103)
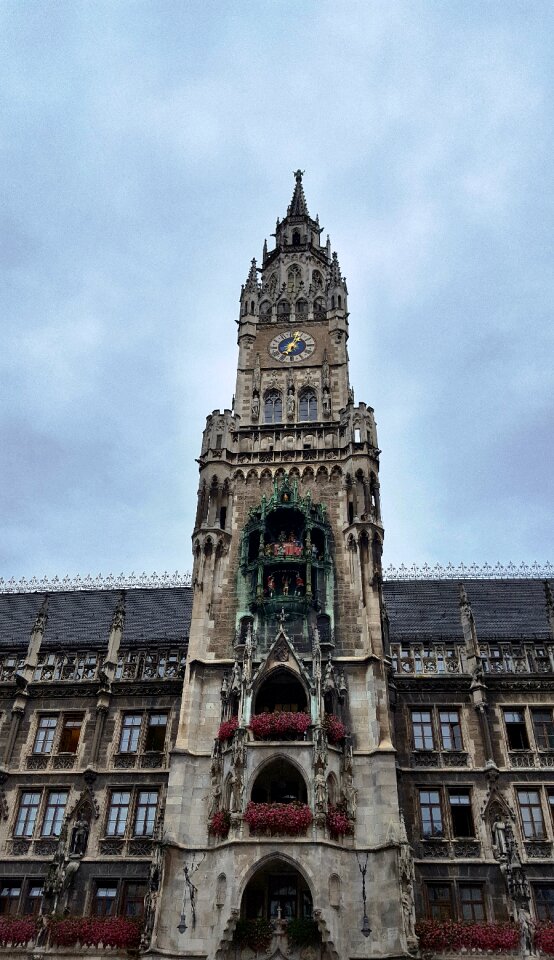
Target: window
point(155, 731)
point(308, 405)
point(27, 814)
point(118, 812)
point(33, 900)
point(543, 727)
point(516, 730)
point(439, 901)
point(133, 899)
point(450, 729)
point(105, 895)
point(130, 733)
point(10, 892)
point(54, 813)
point(45, 735)
point(471, 902)
point(422, 730)
point(273, 407)
point(71, 732)
point(431, 813)
point(460, 813)
point(544, 900)
point(145, 817)
point(531, 814)
point(551, 803)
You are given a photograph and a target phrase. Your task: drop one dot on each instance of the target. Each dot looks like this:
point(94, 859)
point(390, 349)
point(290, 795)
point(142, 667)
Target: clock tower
point(282, 823)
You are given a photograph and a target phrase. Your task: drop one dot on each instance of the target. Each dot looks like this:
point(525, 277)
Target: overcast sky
point(146, 151)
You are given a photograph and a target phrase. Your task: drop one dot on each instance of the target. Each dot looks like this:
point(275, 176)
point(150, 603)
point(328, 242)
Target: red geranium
point(16, 932)
point(334, 728)
point(544, 936)
point(220, 823)
point(227, 728)
point(92, 931)
point(441, 936)
point(289, 819)
point(338, 822)
point(279, 726)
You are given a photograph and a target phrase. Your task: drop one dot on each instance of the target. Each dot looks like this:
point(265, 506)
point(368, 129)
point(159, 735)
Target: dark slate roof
point(82, 618)
point(502, 609)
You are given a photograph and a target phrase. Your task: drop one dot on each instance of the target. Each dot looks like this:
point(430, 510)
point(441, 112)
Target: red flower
point(279, 726)
point(227, 728)
point(441, 936)
point(289, 819)
point(92, 931)
point(334, 728)
point(544, 936)
point(16, 931)
point(338, 822)
point(220, 823)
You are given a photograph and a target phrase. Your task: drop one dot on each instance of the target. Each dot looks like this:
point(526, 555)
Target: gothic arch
point(307, 474)
point(273, 675)
point(265, 311)
point(336, 471)
point(294, 472)
point(265, 474)
point(332, 788)
point(252, 475)
point(277, 858)
point(267, 762)
point(322, 473)
point(238, 476)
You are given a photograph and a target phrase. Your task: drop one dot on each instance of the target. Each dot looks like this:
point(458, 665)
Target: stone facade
point(290, 755)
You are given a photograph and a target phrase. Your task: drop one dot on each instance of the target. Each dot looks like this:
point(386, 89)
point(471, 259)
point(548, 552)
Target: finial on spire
point(298, 206)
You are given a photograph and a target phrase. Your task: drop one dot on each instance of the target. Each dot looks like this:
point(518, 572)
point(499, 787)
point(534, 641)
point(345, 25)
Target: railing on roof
point(164, 664)
point(101, 582)
point(517, 657)
point(66, 666)
point(421, 659)
point(473, 571)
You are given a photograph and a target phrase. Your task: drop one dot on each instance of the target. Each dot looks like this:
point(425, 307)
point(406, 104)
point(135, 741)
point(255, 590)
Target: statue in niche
point(79, 838)
point(236, 679)
point(326, 403)
point(215, 796)
point(291, 404)
point(255, 407)
point(237, 790)
point(320, 791)
point(350, 795)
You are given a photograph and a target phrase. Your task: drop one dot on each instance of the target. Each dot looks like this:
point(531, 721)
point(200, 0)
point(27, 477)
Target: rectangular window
point(27, 814)
point(71, 731)
point(33, 900)
point(422, 730)
point(439, 901)
point(105, 896)
point(45, 735)
point(130, 733)
point(543, 727)
point(10, 892)
point(54, 812)
point(451, 730)
point(145, 817)
point(471, 902)
point(155, 732)
point(133, 899)
point(431, 814)
point(544, 900)
point(531, 814)
point(118, 813)
point(516, 731)
point(460, 813)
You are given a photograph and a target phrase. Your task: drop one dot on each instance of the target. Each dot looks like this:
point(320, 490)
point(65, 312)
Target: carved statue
point(236, 679)
point(225, 687)
point(215, 797)
point(350, 796)
point(326, 404)
point(255, 407)
point(290, 406)
point(79, 838)
point(320, 791)
point(237, 790)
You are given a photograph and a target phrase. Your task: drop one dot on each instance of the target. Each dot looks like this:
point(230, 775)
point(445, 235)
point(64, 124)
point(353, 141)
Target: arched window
point(283, 309)
point(296, 238)
point(265, 311)
point(317, 279)
point(319, 308)
point(273, 407)
point(294, 276)
point(276, 890)
point(308, 405)
point(301, 308)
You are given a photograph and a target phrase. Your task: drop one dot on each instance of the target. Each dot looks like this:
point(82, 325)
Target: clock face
point(292, 346)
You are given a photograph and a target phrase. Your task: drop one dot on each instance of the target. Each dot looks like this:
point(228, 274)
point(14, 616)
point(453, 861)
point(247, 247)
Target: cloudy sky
point(146, 151)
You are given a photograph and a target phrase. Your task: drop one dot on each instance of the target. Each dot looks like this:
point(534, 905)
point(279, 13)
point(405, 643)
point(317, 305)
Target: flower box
point(278, 819)
point(442, 936)
point(227, 728)
point(338, 822)
point(280, 726)
point(220, 823)
point(334, 728)
point(17, 931)
point(255, 934)
point(544, 936)
point(93, 931)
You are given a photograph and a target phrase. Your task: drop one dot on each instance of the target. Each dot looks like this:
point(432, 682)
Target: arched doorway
point(277, 890)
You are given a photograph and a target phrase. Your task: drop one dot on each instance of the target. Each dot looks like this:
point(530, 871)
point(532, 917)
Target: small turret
point(337, 290)
point(250, 291)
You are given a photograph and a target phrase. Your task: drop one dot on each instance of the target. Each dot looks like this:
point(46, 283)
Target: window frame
point(64, 721)
point(49, 738)
point(520, 724)
point(99, 884)
point(534, 834)
point(544, 747)
point(131, 729)
point(454, 727)
point(422, 726)
point(126, 899)
point(445, 909)
point(53, 828)
point(546, 902)
point(466, 792)
point(20, 827)
point(472, 903)
point(148, 820)
point(13, 903)
point(431, 806)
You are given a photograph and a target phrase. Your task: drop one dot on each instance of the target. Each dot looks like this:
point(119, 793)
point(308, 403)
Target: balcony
point(428, 659)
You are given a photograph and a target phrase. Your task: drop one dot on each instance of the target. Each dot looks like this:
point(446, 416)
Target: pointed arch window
point(301, 308)
point(273, 407)
point(265, 311)
point(294, 277)
point(308, 405)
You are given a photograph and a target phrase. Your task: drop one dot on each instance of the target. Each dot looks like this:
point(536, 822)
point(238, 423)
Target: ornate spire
point(335, 276)
point(252, 279)
point(298, 206)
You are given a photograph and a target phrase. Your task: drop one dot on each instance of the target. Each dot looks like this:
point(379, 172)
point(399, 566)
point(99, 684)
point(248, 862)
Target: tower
point(282, 820)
